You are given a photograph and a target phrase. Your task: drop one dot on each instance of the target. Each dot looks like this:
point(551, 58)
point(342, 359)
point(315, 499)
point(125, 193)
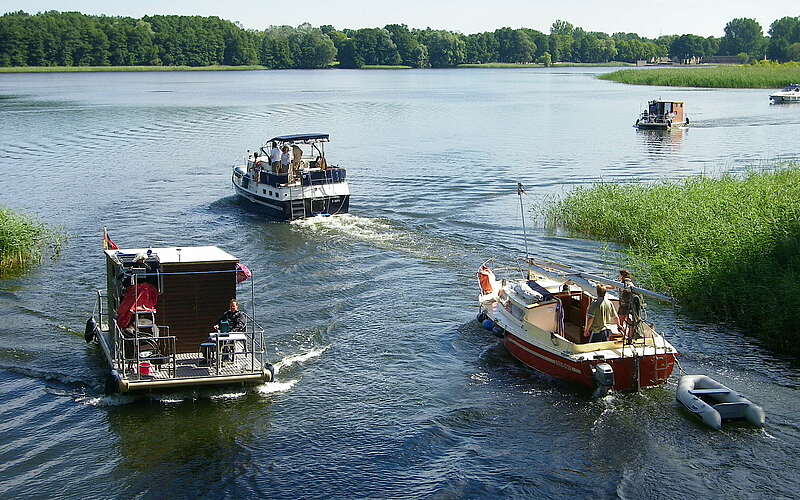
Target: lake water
point(387, 387)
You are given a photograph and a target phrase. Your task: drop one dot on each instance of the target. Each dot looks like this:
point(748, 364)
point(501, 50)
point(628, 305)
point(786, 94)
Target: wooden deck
point(193, 365)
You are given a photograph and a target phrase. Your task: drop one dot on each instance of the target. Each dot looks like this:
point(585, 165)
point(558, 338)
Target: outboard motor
point(603, 376)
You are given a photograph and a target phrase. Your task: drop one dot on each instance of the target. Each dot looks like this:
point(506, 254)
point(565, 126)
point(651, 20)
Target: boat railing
point(102, 315)
point(128, 350)
point(254, 347)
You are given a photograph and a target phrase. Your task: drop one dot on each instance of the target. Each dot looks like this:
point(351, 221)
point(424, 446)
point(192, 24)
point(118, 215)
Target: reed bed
point(93, 69)
point(22, 242)
point(753, 76)
point(728, 247)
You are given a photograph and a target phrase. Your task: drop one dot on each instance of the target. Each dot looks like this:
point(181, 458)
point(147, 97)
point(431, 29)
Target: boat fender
point(603, 376)
point(481, 317)
point(488, 324)
point(88, 333)
point(271, 369)
point(498, 331)
point(112, 383)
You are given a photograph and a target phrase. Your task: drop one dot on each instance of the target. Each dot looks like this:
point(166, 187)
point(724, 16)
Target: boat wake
point(286, 362)
point(299, 358)
point(349, 226)
point(383, 234)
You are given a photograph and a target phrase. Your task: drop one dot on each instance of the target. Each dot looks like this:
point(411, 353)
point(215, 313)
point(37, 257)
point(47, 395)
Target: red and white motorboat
point(541, 318)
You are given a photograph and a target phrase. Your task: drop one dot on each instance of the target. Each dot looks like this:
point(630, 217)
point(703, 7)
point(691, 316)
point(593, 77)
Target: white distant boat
point(309, 186)
point(790, 93)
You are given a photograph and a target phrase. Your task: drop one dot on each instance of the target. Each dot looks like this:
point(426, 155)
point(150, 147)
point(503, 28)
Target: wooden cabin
point(195, 286)
point(672, 110)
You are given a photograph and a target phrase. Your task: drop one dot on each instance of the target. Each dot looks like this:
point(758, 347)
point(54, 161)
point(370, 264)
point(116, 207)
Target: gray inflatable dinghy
point(715, 403)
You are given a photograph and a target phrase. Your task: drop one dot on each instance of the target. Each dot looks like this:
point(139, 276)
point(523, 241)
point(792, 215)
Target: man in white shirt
point(275, 155)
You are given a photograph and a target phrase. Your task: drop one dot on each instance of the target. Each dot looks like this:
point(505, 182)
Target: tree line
point(75, 39)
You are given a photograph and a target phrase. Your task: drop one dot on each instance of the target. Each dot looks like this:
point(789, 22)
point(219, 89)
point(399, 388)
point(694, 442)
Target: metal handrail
point(98, 308)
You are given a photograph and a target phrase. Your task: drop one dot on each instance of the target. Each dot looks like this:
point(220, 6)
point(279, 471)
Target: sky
point(650, 18)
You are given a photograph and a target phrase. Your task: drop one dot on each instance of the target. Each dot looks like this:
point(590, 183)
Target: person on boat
point(625, 294)
point(233, 318)
point(274, 156)
point(297, 160)
point(321, 163)
point(285, 159)
point(600, 317)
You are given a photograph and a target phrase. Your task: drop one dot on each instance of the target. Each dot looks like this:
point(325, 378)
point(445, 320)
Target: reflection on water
point(662, 142)
point(386, 385)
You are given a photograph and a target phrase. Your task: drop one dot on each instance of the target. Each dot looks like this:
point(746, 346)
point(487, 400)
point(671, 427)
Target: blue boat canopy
point(300, 138)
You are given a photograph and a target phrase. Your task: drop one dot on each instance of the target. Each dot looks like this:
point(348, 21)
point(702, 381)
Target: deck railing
point(128, 350)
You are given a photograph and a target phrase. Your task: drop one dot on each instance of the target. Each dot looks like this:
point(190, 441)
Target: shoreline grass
point(22, 240)
point(385, 66)
point(726, 247)
point(764, 75)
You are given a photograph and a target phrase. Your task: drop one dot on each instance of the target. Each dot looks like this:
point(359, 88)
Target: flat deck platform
point(192, 365)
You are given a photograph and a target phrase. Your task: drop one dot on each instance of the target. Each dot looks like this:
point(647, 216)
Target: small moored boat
point(715, 403)
point(662, 115)
point(541, 317)
point(305, 186)
point(790, 93)
point(154, 322)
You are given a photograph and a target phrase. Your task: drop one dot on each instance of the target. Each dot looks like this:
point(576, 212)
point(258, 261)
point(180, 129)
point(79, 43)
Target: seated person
point(234, 319)
point(320, 163)
point(601, 317)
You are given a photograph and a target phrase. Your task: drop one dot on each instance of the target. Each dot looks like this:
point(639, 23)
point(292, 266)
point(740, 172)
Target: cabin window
point(264, 191)
point(270, 193)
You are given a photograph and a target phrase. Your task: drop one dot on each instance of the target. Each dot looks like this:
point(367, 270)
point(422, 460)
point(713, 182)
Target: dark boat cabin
point(666, 110)
point(190, 288)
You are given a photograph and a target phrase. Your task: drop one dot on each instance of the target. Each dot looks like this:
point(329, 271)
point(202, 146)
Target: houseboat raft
point(662, 115)
point(290, 178)
point(158, 320)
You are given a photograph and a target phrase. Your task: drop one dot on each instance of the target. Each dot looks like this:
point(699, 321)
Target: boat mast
point(520, 192)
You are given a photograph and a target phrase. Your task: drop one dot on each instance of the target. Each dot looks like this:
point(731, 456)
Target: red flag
point(107, 243)
point(242, 273)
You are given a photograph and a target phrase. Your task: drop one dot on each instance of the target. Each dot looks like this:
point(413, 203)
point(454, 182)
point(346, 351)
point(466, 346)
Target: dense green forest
point(74, 39)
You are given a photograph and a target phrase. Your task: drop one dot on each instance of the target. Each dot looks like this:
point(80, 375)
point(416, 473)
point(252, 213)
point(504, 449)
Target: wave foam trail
point(298, 358)
point(273, 387)
point(351, 226)
point(106, 401)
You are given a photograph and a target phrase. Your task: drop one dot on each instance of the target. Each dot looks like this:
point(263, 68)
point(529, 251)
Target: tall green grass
point(728, 246)
point(22, 242)
point(764, 75)
point(384, 66)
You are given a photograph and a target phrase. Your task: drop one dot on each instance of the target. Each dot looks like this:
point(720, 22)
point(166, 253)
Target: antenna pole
point(520, 192)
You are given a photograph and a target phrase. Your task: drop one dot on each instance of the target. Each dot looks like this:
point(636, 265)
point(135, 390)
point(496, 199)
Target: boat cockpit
point(289, 159)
